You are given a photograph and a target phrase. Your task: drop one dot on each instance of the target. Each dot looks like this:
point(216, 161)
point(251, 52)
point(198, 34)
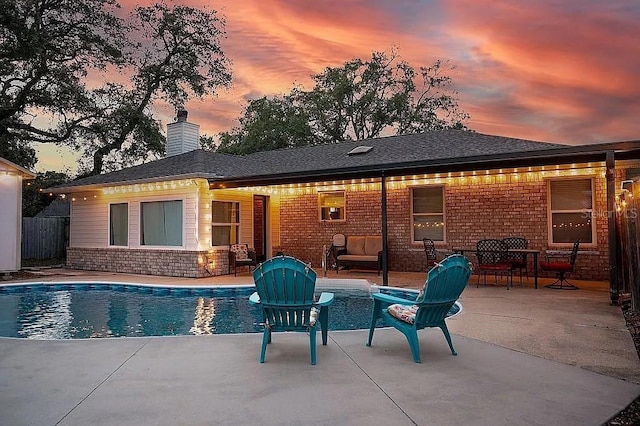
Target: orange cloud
point(543, 70)
point(567, 70)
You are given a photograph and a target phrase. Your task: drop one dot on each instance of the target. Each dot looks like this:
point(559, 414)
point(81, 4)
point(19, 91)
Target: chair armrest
point(252, 255)
point(325, 299)
point(383, 297)
point(254, 299)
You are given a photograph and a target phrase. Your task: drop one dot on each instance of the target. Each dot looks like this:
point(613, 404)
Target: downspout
point(385, 269)
point(611, 218)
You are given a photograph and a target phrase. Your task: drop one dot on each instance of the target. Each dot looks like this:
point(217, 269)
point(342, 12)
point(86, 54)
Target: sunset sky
point(554, 71)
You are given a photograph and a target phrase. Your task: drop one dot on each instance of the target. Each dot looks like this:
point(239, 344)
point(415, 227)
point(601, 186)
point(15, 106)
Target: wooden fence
point(44, 237)
point(628, 211)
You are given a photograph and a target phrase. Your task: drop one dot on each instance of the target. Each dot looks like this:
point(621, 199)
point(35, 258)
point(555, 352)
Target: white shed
point(11, 177)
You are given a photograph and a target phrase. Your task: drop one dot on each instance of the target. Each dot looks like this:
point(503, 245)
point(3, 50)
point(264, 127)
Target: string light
point(500, 176)
point(429, 225)
point(148, 187)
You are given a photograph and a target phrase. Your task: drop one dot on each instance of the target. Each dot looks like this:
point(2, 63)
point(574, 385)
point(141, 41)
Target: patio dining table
point(535, 253)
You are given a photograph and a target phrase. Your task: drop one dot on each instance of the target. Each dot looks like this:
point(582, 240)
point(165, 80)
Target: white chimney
point(182, 136)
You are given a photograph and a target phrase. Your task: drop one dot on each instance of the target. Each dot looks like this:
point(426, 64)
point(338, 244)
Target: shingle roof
point(393, 152)
point(196, 163)
point(430, 146)
point(57, 208)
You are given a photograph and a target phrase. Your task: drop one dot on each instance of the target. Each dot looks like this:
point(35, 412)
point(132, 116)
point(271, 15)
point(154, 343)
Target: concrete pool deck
point(525, 356)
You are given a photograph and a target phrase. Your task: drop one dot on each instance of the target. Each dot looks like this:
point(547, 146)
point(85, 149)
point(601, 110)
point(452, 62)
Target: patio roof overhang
point(606, 153)
point(627, 150)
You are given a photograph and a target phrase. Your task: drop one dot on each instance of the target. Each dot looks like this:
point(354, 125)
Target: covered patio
point(494, 193)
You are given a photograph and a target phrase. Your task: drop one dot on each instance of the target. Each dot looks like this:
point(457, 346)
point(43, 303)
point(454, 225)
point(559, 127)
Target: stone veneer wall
point(472, 212)
point(175, 263)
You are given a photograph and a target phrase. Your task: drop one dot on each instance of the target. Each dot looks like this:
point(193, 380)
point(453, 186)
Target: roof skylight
point(359, 150)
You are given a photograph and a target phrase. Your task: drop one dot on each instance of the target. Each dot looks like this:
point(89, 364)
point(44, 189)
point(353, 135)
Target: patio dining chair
point(493, 257)
point(285, 291)
point(445, 282)
point(430, 252)
point(518, 260)
point(561, 264)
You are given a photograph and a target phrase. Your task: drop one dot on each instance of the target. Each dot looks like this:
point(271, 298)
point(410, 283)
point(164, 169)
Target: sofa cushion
point(357, 258)
point(372, 245)
point(355, 245)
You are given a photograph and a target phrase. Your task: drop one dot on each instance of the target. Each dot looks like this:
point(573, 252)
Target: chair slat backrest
point(491, 251)
point(286, 288)
point(444, 285)
point(574, 253)
point(430, 250)
point(516, 243)
point(447, 280)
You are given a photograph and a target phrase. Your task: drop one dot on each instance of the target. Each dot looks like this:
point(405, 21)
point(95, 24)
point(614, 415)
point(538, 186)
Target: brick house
point(177, 216)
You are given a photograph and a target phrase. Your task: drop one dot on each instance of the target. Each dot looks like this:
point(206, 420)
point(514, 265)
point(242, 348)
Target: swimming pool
point(95, 310)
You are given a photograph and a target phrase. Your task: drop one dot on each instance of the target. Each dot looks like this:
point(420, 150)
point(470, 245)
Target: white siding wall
point(246, 212)
point(89, 226)
point(90, 215)
point(10, 220)
point(274, 222)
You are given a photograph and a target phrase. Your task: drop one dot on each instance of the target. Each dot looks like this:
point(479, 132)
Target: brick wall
point(175, 263)
point(472, 212)
point(302, 234)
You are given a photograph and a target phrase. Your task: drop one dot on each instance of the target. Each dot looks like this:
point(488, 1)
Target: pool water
point(94, 310)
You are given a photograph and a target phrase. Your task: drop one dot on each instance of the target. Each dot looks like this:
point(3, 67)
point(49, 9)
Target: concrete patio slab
point(217, 380)
point(526, 357)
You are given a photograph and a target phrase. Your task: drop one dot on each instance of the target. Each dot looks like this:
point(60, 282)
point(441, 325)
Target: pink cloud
point(567, 71)
point(544, 70)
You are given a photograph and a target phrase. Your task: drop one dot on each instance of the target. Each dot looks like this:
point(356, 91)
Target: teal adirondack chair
point(445, 282)
point(284, 289)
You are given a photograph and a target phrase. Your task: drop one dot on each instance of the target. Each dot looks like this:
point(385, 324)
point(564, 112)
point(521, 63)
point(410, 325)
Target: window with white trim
point(225, 223)
point(119, 224)
point(161, 223)
point(332, 205)
point(427, 210)
point(571, 211)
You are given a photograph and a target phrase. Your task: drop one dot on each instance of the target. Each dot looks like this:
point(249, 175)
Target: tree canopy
point(359, 100)
point(267, 124)
point(34, 198)
point(53, 53)
point(18, 152)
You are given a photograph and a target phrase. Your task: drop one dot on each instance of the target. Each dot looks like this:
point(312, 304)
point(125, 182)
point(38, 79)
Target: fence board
point(44, 237)
point(629, 235)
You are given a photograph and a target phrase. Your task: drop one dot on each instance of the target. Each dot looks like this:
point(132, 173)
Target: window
point(571, 206)
point(118, 224)
point(161, 223)
point(428, 213)
point(225, 226)
point(332, 205)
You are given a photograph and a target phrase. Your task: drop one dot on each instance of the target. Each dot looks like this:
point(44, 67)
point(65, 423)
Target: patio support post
point(611, 218)
point(385, 269)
